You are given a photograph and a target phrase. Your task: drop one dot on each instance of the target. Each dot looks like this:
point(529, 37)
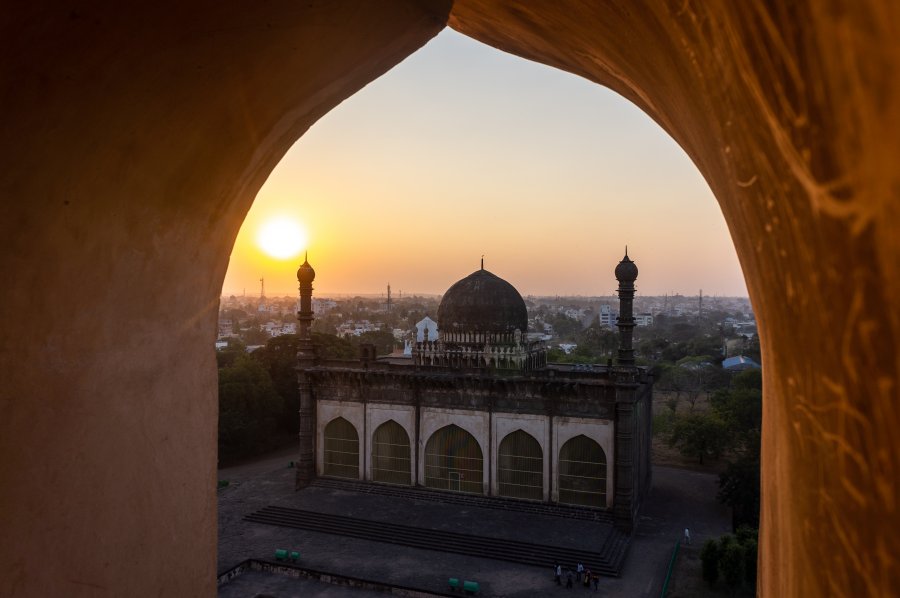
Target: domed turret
point(626, 271)
point(482, 302)
point(306, 274)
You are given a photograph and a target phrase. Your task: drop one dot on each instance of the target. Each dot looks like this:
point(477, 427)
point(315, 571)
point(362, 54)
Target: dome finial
point(626, 251)
point(482, 261)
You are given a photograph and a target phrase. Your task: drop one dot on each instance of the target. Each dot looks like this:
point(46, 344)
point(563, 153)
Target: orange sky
point(462, 150)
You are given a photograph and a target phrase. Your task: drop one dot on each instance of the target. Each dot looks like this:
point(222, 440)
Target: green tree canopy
point(249, 408)
point(700, 436)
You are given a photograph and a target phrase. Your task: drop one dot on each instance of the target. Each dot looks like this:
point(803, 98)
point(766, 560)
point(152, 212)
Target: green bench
point(283, 555)
point(469, 587)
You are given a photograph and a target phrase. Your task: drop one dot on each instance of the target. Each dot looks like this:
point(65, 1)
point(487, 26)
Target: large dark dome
point(482, 302)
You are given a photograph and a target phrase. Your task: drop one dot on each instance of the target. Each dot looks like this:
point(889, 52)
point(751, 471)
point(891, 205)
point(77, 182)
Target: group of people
point(581, 575)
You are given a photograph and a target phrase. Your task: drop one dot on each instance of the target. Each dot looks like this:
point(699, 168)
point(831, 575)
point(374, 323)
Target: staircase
point(607, 561)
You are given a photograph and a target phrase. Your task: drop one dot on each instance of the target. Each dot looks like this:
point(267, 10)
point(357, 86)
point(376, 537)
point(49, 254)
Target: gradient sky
point(462, 150)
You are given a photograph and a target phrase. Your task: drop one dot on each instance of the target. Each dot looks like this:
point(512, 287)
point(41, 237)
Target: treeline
point(731, 560)
point(258, 395)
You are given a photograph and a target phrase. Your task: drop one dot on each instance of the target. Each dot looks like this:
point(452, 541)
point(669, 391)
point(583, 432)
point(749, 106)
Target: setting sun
point(281, 238)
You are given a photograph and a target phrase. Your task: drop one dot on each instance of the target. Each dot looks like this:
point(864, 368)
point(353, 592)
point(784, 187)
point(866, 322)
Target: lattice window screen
point(521, 466)
point(582, 473)
point(341, 457)
point(391, 454)
point(454, 461)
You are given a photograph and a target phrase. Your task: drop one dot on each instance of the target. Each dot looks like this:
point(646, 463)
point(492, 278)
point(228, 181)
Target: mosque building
point(478, 409)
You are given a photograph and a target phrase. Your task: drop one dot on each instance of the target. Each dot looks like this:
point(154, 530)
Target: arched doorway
point(454, 461)
point(520, 466)
point(391, 454)
point(341, 458)
point(582, 473)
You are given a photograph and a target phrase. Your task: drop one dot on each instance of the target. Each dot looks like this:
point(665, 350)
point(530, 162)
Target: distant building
point(426, 329)
point(607, 316)
point(644, 319)
point(322, 306)
point(739, 363)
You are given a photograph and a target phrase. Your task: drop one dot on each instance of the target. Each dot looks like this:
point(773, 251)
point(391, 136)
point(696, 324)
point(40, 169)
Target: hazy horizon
point(395, 295)
point(462, 150)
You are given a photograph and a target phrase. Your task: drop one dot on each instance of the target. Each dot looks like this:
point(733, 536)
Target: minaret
point(700, 307)
point(626, 274)
point(306, 357)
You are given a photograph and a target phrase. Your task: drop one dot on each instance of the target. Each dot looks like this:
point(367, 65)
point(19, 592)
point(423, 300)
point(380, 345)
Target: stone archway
point(133, 145)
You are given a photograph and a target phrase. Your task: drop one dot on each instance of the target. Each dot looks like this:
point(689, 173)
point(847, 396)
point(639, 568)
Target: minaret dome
point(306, 274)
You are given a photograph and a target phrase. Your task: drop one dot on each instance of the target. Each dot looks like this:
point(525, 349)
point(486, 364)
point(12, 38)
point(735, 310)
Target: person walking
point(568, 579)
point(557, 571)
point(687, 536)
point(596, 582)
point(587, 578)
point(579, 569)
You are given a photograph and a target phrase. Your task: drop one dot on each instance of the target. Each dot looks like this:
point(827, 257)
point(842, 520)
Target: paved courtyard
point(680, 498)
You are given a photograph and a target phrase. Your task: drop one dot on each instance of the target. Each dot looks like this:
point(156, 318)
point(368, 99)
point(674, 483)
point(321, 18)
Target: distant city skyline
point(462, 150)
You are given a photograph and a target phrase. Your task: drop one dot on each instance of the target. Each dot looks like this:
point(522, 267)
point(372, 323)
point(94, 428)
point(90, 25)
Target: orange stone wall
point(134, 141)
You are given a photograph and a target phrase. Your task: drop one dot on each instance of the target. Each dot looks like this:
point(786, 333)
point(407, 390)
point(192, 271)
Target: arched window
point(390, 454)
point(341, 457)
point(521, 466)
point(582, 473)
point(453, 461)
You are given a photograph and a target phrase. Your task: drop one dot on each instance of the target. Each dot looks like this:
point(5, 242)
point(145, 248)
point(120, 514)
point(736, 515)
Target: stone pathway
point(679, 499)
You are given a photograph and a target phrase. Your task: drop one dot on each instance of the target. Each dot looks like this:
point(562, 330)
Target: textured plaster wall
point(133, 142)
point(791, 110)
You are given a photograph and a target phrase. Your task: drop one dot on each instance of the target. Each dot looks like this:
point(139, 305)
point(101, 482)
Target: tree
point(700, 436)
point(748, 379)
point(382, 339)
point(249, 408)
point(564, 326)
point(255, 335)
point(709, 556)
point(225, 357)
point(751, 556)
point(731, 563)
point(741, 409)
point(739, 489)
point(731, 558)
point(279, 357)
point(329, 346)
point(676, 379)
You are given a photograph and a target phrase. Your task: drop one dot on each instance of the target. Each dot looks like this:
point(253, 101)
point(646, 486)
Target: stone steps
point(488, 502)
point(607, 561)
